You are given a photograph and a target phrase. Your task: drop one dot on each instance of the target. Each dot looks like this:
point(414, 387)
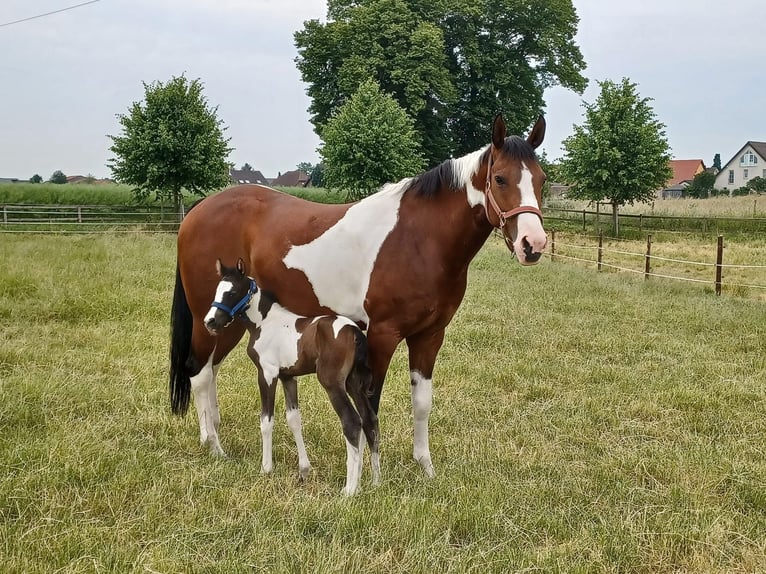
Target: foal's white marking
point(422, 392)
point(339, 323)
point(280, 348)
point(293, 417)
point(223, 288)
point(338, 263)
point(206, 401)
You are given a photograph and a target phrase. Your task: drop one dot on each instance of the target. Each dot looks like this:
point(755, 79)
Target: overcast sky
point(64, 77)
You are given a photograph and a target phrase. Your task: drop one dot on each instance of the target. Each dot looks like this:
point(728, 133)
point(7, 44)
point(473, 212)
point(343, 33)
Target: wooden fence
point(85, 218)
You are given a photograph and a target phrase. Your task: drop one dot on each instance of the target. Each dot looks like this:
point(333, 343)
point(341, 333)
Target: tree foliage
point(37, 178)
point(717, 161)
point(757, 184)
point(620, 152)
point(170, 142)
point(451, 64)
point(702, 186)
point(58, 177)
point(369, 142)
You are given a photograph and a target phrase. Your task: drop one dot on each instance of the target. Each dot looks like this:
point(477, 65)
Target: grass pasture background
point(582, 422)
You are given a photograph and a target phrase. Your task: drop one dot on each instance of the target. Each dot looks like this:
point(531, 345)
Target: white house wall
point(759, 169)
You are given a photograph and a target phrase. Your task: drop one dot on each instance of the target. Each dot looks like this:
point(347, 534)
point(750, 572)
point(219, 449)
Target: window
point(745, 173)
point(748, 159)
point(731, 176)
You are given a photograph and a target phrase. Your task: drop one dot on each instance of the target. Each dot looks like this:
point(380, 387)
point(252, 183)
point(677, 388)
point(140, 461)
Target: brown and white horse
point(396, 262)
point(283, 346)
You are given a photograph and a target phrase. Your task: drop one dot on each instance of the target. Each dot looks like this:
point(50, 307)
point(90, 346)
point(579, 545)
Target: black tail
point(361, 374)
point(180, 348)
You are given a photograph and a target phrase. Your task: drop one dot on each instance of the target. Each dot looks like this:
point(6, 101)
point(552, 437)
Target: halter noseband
point(241, 305)
point(503, 216)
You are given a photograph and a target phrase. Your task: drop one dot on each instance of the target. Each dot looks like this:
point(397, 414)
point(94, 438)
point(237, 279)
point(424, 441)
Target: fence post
point(718, 265)
point(5, 214)
point(640, 222)
point(553, 244)
point(600, 248)
point(583, 220)
point(647, 266)
point(79, 214)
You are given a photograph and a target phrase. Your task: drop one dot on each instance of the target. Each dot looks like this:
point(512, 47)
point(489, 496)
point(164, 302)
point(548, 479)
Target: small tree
point(369, 142)
point(702, 185)
point(717, 161)
point(757, 184)
point(58, 177)
point(36, 178)
point(246, 167)
point(620, 153)
point(170, 142)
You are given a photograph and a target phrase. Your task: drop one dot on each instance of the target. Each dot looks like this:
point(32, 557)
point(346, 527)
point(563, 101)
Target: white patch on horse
point(280, 348)
point(529, 225)
point(339, 323)
point(223, 288)
point(464, 169)
point(338, 263)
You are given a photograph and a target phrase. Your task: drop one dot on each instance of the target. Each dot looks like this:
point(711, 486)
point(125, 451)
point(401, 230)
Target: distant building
point(684, 171)
point(295, 178)
point(238, 176)
point(747, 163)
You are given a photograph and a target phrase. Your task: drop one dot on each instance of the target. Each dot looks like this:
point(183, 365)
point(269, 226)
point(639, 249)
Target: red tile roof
point(684, 170)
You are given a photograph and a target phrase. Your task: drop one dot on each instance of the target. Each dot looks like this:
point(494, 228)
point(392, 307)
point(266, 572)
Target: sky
point(66, 76)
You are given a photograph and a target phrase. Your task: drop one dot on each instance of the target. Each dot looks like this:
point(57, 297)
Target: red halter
point(503, 216)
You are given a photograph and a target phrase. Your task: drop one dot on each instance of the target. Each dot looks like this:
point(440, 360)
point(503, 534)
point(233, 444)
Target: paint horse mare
point(396, 261)
point(284, 345)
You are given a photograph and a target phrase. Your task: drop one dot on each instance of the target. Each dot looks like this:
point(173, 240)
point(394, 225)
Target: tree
point(451, 64)
point(370, 141)
point(620, 153)
point(170, 142)
point(757, 184)
point(317, 175)
point(246, 167)
point(702, 186)
point(717, 161)
point(58, 177)
point(36, 178)
point(306, 167)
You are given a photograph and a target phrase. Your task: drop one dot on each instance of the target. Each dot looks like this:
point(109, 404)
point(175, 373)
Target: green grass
point(582, 422)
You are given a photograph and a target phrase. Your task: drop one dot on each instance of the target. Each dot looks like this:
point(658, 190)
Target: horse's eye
point(499, 180)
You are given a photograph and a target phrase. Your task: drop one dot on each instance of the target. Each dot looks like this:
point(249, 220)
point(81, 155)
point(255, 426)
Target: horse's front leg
point(267, 385)
point(293, 416)
point(422, 352)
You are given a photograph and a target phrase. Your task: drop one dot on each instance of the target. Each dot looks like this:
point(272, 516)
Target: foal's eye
point(499, 180)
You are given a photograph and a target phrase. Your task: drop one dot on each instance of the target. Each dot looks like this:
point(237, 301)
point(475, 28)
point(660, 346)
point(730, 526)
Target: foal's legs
point(357, 389)
point(293, 416)
point(205, 400)
point(423, 350)
point(268, 392)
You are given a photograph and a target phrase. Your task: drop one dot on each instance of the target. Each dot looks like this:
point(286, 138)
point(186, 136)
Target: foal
point(284, 345)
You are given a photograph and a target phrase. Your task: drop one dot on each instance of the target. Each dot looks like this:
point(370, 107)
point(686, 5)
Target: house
point(295, 178)
point(9, 180)
point(684, 171)
point(747, 163)
point(247, 176)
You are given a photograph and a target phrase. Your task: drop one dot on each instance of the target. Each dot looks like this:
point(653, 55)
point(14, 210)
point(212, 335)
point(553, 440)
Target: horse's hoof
point(427, 466)
point(303, 473)
point(348, 492)
point(217, 451)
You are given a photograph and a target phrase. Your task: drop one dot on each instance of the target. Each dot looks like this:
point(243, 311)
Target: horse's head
point(513, 190)
point(233, 295)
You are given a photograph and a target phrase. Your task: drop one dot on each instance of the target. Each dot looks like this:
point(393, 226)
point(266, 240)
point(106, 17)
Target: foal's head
point(234, 294)
point(513, 190)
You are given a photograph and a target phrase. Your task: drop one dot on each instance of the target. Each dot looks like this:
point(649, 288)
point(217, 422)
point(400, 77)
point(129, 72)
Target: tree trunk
point(616, 218)
point(178, 204)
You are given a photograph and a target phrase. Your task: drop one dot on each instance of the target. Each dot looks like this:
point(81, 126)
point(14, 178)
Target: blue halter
point(242, 305)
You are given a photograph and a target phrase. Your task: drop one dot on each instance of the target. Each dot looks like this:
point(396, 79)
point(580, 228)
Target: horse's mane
point(447, 174)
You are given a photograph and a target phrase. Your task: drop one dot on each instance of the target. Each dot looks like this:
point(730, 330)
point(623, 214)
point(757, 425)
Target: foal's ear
point(498, 131)
point(241, 266)
point(218, 267)
point(536, 136)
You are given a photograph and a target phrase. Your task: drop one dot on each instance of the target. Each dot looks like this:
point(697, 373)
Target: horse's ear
point(498, 131)
point(241, 266)
point(536, 136)
point(218, 267)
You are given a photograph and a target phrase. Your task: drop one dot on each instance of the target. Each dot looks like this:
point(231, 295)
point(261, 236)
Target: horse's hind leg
point(206, 402)
point(293, 416)
point(351, 423)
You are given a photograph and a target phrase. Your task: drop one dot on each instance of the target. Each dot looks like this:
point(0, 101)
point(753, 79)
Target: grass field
point(582, 422)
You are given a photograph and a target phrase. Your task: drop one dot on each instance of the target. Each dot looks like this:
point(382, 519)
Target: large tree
point(171, 142)
point(451, 64)
point(619, 153)
point(370, 141)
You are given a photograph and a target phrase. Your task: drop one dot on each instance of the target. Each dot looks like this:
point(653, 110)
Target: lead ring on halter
point(503, 216)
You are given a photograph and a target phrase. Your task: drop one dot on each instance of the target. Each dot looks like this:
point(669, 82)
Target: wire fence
point(739, 276)
point(86, 219)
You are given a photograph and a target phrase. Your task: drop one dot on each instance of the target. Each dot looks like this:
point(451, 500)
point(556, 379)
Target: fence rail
point(733, 277)
point(85, 218)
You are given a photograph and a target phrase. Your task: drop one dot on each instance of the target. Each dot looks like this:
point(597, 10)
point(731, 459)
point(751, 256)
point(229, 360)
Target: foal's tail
point(180, 348)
